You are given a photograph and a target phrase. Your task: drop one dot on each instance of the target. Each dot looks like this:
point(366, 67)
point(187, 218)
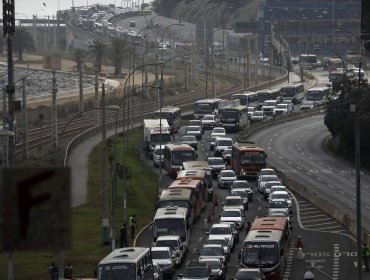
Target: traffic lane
point(296, 148)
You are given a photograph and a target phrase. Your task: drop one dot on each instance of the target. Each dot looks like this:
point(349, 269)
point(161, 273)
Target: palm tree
point(22, 41)
point(79, 57)
point(117, 54)
point(98, 49)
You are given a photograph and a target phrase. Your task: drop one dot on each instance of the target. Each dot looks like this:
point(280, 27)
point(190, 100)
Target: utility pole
point(54, 110)
point(81, 104)
point(114, 195)
point(96, 97)
point(5, 120)
point(213, 70)
point(25, 119)
point(104, 172)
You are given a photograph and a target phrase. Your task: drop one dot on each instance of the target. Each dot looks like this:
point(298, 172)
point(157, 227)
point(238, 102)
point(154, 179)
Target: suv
point(225, 178)
point(194, 130)
point(221, 144)
point(249, 273)
point(213, 251)
point(158, 155)
point(280, 109)
point(209, 122)
point(196, 270)
point(216, 164)
point(278, 203)
point(265, 178)
point(226, 156)
point(257, 116)
point(175, 244)
point(268, 106)
point(222, 230)
point(163, 257)
point(196, 123)
point(233, 215)
point(242, 185)
point(234, 202)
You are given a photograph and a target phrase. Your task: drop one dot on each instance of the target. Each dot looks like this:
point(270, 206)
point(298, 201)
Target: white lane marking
point(342, 192)
point(327, 223)
point(200, 239)
point(313, 216)
point(194, 250)
point(316, 220)
point(298, 167)
point(326, 228)
point(318, 179)
point(289, 162)
point(308, 173)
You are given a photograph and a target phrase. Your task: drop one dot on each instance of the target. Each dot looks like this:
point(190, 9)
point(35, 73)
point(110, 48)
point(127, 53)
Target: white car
point(233, 215)
point(222, 143)
point(276, 212)
point(268, 187)
point(265, 178)
point(307, 105)
point(233, 202)
point(216, 164)
point(258, 116)
point(268, 107)
point(290, 105)
point(250, 112)
point(280, 109)
point(282, 195)
point(226, 178)
point(209, 121)
point(158, 155)
point(218, 131)
point(222, 230)
point(267, 171)
point(175, 244)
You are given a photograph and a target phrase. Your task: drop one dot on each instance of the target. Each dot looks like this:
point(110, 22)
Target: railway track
point(41, 137)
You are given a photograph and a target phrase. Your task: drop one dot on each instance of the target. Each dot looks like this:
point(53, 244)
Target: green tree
point(118, 53)
point(165, 7)
point(22, 41)
point(98, 49)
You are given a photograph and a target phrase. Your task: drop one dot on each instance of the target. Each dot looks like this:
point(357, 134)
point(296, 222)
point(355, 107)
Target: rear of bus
point(261, 249)
point(200, 175)
point(175, 155)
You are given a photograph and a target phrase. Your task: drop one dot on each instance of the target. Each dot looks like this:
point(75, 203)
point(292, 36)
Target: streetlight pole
point(161, 85)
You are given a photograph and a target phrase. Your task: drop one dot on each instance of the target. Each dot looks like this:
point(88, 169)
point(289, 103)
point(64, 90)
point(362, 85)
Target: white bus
point(234, 118)
point(318, 94)
point(267, 94)
point(172, 115)
point(294, 92)
point(206, 107)
point(249, 99)
point(132, 263)
point(171, 220)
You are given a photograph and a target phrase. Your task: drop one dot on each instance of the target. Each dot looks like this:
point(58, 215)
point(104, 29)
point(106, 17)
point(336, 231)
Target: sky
point(27, 8)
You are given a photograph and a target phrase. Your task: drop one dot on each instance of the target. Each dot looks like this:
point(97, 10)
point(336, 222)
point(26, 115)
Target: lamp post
point(164, 30)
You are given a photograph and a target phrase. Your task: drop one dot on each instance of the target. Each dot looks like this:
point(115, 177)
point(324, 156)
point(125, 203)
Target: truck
point(154, 135)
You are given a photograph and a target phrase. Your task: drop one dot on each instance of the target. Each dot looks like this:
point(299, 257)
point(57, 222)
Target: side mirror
point(180, 276)
point(207, 232)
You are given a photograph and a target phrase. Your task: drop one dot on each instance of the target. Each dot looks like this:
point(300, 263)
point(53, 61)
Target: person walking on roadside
point(68, 271)
point(53, 271)
point(123, 236)
point(366, 256)
point(133, 225)
point(248, 227)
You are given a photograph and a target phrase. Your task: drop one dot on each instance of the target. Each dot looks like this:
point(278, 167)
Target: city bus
point(266, 249)
point(180, 198)
point(249, 99)
point(206, 107)
point(172, 115)
point(272, 223)
point(247, 159)
point(134, 263)
point(196, 189)
point(201, 165)
point(197, 175)
point(175, 155)
point(294, 92)
point(318, 94)
point(171, 220)
point(267, 94)
point(335, 64)
point(309, 61)
point(234, 118)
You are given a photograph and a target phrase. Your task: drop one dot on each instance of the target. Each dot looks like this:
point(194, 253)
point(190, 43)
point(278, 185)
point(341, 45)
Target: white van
point(175, 244)
point(158, 155)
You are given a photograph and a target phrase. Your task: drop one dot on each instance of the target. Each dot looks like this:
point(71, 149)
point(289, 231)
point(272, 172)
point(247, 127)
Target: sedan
point(226, 156)
point(218, 268)
point(226, 178)
point(249, 274)
point(265, 178)
point(191, 140)
point(194, 130)
point(218, 131)
point(307, 105)
point(233, 215)
point(258, 116)
point(212, 251)
point(244, 186)
point(242, 194)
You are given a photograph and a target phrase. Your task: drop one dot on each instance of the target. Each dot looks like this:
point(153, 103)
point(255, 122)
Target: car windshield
point(240, 184)
point(278, 204)
point(192, 128)
point(257, 113)
point(216, 161)
point(239, 193)
point(224, 143)
point(280, 195)
point(160, 255)
point(159, 152)
point(248, 275)
point(217, 241)
point(231, 214)
point(218, 130)
point(196, 272)
point(220, 230)
point(233, 202)
point(280, 106)
point(267, 172)
point(269, 178)
point(167, 243)
point(194, 122)
point(188, 138)
point(214, 264)
point(269, 103)
point(228, 174)
point(227, 152)
point(212, 251)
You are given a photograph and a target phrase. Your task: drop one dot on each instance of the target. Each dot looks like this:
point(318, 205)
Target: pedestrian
point(299, 243)
point(68, 271)
point(53, 271)
point(366, 255)
point(123, 236)
point(133, 225)
point(248, 227)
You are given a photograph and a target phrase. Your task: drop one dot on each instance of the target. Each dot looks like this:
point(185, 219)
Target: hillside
point(215, 12)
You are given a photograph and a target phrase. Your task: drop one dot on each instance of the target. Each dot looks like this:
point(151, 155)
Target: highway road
point(327, 244)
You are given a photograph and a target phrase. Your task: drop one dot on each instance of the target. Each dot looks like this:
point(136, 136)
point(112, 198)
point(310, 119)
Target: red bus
point(335, 64)
point(195, 186)
point(196, 175)
point(175, 155)
point(266, 246)
point(247, 159)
